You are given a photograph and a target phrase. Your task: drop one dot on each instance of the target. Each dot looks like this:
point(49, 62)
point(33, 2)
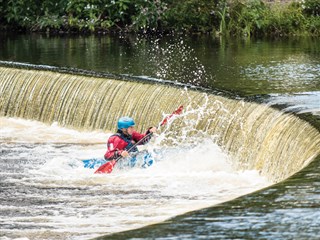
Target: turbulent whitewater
point(50, 195)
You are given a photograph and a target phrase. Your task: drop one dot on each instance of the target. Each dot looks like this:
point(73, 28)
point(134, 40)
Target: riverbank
point(234, 18)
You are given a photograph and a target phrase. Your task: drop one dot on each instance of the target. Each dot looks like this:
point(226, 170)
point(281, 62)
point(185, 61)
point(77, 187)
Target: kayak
point(144, 160)
point(93, 163)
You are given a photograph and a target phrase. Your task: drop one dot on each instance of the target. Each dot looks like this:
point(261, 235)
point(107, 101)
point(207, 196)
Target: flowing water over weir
point(256, 137)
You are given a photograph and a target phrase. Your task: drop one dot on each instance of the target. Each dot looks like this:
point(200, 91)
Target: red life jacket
point(120, 142)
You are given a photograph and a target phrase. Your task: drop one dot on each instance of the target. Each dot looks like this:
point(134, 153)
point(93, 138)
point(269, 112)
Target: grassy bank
point(234, 18)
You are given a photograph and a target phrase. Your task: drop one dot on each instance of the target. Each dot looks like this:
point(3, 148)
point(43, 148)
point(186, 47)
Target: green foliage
point(148, 14)
point(190, 15)
point(247, 17)
point(286, 21)
point(34, 14)
point(83, 14)
point(254, 17)
point(114, 14)
point(2, 11)
point(311, 7)
point(222, 13)
point(227, 17)
point(313, 25)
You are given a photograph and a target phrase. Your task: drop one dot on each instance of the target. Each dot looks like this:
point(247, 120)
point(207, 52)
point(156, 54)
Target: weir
point(256, 136)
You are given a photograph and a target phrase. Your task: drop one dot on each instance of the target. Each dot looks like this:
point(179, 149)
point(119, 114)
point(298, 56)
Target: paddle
point(108, 166)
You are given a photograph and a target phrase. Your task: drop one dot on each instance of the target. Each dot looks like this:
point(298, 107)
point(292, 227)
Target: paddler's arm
point(138, 136)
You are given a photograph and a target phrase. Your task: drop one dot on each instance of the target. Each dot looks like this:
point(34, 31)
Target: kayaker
point(126, 136)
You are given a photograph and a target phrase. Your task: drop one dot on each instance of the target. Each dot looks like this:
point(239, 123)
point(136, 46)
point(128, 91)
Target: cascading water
point(48, 194)
point(258, 136)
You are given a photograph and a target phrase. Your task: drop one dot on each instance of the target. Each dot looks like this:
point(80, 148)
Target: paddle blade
point(107, 167)
point(176, 112)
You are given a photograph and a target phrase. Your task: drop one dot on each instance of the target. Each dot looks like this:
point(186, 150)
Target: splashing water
point(50, 195)
point(175, 60)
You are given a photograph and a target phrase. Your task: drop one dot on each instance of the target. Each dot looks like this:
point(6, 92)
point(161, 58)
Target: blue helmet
point(125, 122)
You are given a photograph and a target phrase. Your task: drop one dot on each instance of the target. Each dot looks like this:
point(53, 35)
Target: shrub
point(286, 20)
point(247, 17)
point(233, 17)
point(190, 15)
point(311, 7)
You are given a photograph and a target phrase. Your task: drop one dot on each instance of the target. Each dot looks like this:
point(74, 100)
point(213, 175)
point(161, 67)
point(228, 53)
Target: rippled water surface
point(251, 67)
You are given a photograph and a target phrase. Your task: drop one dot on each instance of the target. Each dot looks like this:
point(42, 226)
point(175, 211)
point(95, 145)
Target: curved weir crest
point(256, 136)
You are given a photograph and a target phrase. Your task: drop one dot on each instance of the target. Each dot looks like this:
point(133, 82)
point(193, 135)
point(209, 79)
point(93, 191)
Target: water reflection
point(248, 67)
point(291, 75)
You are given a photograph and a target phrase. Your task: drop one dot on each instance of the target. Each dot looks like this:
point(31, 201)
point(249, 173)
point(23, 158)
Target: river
point(47, 194)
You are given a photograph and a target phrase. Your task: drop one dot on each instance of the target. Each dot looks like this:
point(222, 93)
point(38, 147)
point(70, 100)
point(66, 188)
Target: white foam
point(82, 204)
point(21, 130)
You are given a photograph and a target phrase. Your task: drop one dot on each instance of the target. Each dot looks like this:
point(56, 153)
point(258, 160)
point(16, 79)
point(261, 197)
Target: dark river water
point(285, 73)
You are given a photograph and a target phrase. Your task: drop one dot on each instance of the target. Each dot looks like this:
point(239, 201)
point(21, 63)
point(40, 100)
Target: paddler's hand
point(125, 154)
point(153, 129)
